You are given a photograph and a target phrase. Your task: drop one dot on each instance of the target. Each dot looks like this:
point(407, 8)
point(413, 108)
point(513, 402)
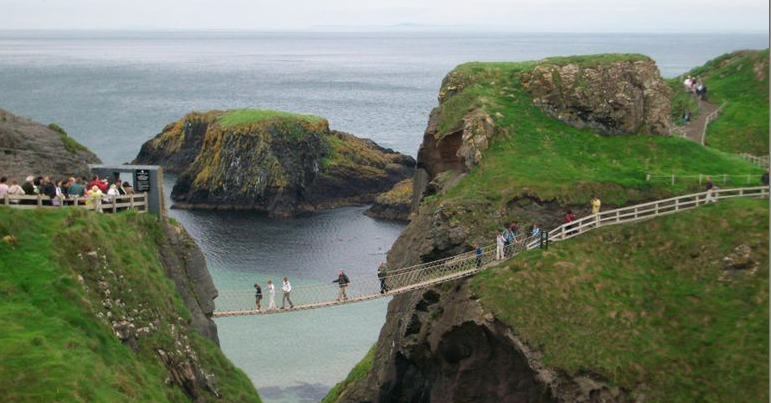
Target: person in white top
point(59, 198)
point(499, 247)
point(15, 190)
point(272, 294)
point(286, 288)
point(3, 187)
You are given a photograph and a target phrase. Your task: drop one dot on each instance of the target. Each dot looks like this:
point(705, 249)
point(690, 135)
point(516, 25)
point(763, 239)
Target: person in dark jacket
point(710, 186)
point(258, 296)
point(382, 272)
point(764, 178)
point(48, 188)
point(343, 281)
point(479, 255)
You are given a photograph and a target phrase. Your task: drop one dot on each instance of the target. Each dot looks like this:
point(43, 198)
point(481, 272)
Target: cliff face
point(444, 347)
point(122, 300)
point(30, 148)
point(617, 97)
point(272, 162)
point(510, 143)
point(394, 204)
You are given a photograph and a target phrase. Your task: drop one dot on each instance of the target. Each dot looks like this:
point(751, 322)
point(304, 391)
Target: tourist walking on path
point(508, 238)
point(286, 289)
point(271, 295)
point(596, 204)
point(382, 272)
point(499, 247)
point(569, 217)
point(479, 255)
point(536, 231)
point(343, 281)
point(764, 178)
point(258, 296)
point(710, 187)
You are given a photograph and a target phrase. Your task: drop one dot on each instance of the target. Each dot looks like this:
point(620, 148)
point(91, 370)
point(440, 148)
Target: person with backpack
point(258, 296)
point(343, 281)
point(382, 272)
point(479, 255)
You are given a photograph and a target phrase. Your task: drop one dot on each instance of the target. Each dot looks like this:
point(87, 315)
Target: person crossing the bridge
point(258, 296)
point(286, 289)
point(479, 255)
point(382, 272)
point(499, 247)
point(343, 281)
point(271, 295)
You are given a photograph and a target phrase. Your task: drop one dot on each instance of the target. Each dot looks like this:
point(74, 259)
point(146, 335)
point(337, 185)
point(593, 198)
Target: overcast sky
point(514, 15)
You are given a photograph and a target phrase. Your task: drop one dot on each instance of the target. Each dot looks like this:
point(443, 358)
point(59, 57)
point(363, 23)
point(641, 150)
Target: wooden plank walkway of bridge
point(436, 272)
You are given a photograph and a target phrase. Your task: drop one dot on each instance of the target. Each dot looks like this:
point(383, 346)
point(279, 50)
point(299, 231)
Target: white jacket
point(286, 287)
point(271, 289)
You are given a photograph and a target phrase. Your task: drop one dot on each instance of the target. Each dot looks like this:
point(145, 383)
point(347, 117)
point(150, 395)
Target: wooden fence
point(710, 118)
point(755, 160)
point(103, 204)
point(724, 179)
point(650, 210)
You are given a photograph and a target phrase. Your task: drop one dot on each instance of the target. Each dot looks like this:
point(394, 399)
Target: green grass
point(240, 117)
point(647, 306)
point(535, 155)
point(54, 348)
point(357, 374)
point(70, 144)
point(741, 80)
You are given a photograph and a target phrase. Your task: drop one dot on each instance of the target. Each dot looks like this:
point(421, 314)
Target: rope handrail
point(465, 264)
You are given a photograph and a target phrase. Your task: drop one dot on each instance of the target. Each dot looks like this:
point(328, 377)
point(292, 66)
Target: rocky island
point(273, 162)
point(521, 143)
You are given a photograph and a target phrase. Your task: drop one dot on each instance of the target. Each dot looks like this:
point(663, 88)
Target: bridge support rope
point(322, 295)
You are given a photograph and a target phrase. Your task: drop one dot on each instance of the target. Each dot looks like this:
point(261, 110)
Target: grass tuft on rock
point(240, 117)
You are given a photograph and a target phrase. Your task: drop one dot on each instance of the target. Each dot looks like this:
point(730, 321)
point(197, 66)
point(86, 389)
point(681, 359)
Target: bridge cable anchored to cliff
point(323, 295)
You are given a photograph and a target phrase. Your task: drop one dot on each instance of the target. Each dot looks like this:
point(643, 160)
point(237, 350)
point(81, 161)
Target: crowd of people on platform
point(61, 192)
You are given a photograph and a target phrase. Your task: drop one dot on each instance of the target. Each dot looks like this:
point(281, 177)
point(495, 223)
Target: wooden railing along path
point(321, 295)
point(102, 204)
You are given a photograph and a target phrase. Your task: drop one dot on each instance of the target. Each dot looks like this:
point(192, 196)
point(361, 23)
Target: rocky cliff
point(273, 162)
point(517, 143)
point(394, 204)
point(30, 148)
point(123, 300)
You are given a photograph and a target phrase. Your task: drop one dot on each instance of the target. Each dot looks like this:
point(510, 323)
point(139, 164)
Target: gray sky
point(515, 15)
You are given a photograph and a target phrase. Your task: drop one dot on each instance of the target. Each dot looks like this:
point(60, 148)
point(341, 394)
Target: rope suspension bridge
point(322, 295)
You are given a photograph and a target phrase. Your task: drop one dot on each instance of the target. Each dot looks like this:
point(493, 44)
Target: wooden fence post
point(673, 179)
point(39, 200)
point(115, 204)
point(700, 180)
point(147, 202)
point(725, 178)
point(98, 204)
point(131, 201)
point(647, 177)
point(6, 200)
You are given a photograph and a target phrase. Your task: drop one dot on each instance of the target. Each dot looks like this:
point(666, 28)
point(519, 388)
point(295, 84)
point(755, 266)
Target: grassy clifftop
point(741, 80)
point(655, 307)
point(69, 277)
point(532, 154)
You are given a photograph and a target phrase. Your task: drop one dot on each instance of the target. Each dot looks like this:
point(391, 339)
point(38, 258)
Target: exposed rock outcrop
point(276, 163)
point(30, 148)
point(441, 346)
point(394, 204)
point(616, 97)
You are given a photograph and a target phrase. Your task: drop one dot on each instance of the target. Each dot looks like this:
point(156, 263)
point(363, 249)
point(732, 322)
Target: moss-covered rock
point(274, 162)
point(30, 148)
point(393, 204)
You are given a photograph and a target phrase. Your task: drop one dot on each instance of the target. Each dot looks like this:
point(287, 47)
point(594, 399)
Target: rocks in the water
point(393, 204)
point(622, 96)
point(273, 162)
point(30, 148)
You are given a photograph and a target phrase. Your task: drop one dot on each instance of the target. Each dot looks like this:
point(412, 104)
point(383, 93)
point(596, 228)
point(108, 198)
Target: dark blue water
point(113, 91)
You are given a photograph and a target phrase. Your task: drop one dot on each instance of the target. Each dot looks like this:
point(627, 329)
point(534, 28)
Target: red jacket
point(101, 185)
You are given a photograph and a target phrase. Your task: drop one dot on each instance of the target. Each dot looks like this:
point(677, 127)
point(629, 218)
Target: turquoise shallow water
point(114, 90)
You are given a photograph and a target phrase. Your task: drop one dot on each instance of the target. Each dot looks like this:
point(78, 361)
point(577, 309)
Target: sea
point(114, 90)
